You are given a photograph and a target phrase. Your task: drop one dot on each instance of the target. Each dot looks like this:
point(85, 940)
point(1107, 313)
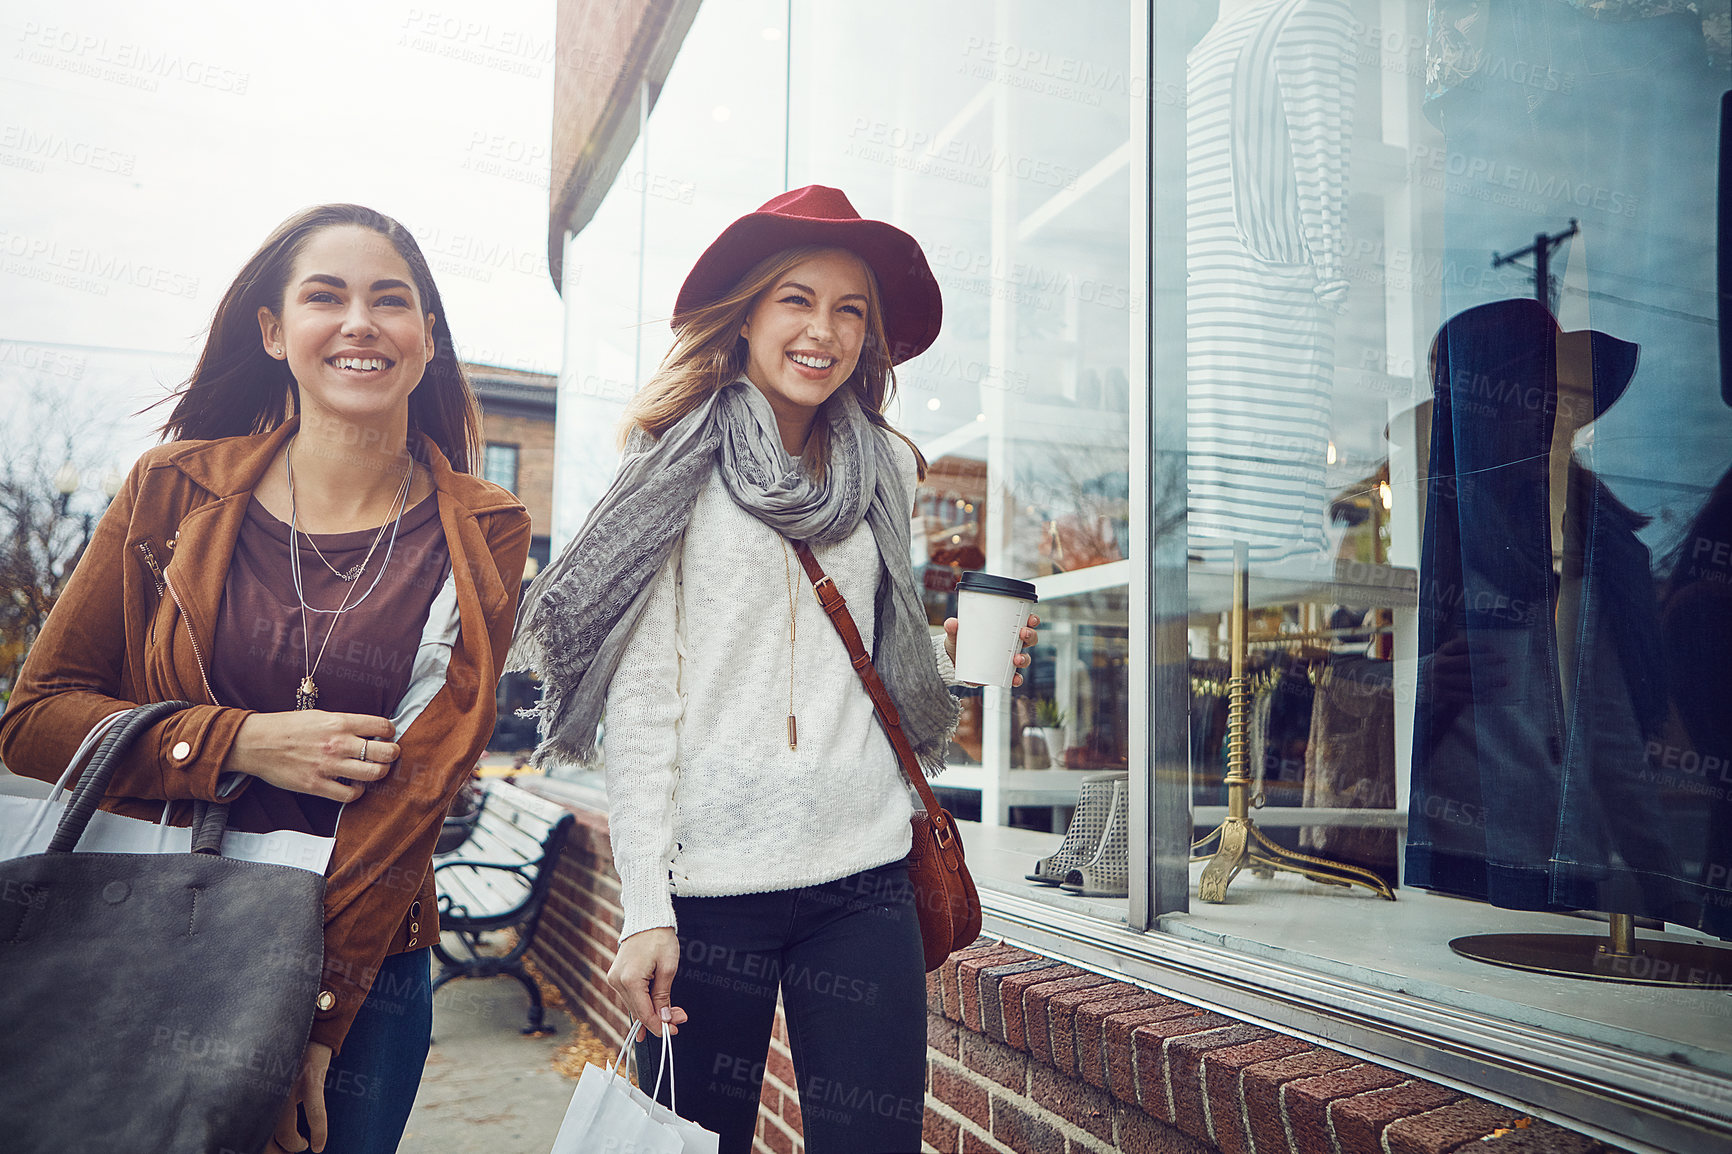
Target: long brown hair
point(238, 389)
point(709, 352)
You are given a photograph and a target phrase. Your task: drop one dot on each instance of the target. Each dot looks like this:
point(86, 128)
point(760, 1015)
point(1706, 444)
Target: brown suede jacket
point(134, 625)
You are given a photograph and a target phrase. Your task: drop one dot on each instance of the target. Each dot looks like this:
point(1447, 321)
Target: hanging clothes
point(1350, 760)
point(1692, 764)
point(1208, 730)
point(1269, 118)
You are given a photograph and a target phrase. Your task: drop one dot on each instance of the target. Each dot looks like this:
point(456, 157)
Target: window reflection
point(1451, 369)
point(1007, 147)
point(1552, 705)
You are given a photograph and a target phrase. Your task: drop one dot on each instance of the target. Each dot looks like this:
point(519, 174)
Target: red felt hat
point(908, 292)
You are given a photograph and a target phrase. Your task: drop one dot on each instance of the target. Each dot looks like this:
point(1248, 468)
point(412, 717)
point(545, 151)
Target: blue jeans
point(847, 959)
point(1542, 696)
point(1488, 729)
point(371, 1085)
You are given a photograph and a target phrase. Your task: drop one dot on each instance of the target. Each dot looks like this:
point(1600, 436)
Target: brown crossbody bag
point(944, 893)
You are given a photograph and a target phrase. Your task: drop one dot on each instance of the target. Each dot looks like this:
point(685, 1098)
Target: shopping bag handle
point(93, 782)
point(46, 805)
point(667, 1067)
point(667, 1063)
point(625, 1048)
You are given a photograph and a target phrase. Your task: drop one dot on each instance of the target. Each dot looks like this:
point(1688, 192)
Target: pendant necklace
point(788, 573)
point(356, 569)
point(307, 695)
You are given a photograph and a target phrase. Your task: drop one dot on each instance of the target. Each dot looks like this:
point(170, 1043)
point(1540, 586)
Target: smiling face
point(804, 335)
point(351, 327)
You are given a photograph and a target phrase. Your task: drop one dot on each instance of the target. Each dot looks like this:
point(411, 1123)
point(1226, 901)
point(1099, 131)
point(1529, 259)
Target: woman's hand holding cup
point(1027, 636)
point(993, 624)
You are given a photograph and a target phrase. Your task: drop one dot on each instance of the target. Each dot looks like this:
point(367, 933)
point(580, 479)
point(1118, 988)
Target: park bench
point(499, 879)
point(460, 819)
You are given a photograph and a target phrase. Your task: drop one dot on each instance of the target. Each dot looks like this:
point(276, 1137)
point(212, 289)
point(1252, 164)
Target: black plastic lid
point(977, 582)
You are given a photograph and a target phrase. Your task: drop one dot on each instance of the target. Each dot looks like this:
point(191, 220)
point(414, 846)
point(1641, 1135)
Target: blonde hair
point(709, 352)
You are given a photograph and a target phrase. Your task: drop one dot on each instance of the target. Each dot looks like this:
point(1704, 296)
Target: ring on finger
point(363, 749)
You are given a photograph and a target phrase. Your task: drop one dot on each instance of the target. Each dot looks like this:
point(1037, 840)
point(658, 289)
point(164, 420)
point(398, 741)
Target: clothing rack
point(1238, 840)
point(1320, 634)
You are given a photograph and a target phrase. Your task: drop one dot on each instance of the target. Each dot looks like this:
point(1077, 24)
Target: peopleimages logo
point(477, 257)
point(954, 159)
point(86, 268)
point(41, 148)
point(40, 359)
point(122, 62)
point(1060, 75)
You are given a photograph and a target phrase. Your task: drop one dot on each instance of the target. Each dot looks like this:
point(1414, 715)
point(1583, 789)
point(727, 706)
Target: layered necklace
point(307, 696)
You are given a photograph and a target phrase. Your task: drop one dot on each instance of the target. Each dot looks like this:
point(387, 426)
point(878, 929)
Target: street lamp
point(66, 482)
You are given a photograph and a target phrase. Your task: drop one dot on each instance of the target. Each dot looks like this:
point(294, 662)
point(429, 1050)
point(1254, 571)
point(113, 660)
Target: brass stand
point(1241, 843)
point(1619, 957)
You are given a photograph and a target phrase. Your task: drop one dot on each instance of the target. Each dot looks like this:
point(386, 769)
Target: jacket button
point(414, 927)
point(414, 911)
point(326, 1000)
point(411, 943)
point(181, 751)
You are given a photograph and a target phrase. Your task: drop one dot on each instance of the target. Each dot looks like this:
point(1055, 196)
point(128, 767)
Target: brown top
point(258, 657)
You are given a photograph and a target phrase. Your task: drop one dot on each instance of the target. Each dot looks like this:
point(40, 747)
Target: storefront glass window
point(1454, 416)
point(1008, 137)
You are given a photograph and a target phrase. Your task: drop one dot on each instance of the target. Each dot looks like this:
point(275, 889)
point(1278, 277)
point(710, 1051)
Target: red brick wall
point(574, 945)
point(1028, 1055)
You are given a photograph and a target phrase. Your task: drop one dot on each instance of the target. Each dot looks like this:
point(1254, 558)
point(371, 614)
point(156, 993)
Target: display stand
point(1240, 842)
point(1618, 957)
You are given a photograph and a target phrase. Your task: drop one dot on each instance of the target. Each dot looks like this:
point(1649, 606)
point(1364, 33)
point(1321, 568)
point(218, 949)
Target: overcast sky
point(147, 148)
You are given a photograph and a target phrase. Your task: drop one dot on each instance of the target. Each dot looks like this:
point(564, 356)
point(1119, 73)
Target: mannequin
point(1546, 755)
point(1269, 119)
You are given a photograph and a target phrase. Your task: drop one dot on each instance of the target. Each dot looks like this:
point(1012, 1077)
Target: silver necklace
point(307, 695)
point(360, 566)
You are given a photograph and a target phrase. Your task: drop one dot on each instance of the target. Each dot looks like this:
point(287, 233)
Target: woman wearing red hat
point(759, 818)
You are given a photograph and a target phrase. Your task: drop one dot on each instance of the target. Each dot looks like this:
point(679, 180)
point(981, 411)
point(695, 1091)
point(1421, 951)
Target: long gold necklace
point(788, 572)
point(307, 695)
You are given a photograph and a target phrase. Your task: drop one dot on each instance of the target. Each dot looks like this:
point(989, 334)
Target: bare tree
point(55, 479)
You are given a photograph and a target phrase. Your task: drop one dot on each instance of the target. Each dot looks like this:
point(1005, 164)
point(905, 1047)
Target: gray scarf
point(580, 610)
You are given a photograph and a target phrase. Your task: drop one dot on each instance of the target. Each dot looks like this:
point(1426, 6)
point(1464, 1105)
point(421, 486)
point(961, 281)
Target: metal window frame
point(1641, 1104)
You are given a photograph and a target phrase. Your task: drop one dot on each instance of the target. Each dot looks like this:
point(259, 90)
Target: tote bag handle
point(93, 782)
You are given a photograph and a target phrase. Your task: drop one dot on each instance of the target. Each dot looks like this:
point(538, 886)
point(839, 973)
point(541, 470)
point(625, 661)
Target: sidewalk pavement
point(488, 1089)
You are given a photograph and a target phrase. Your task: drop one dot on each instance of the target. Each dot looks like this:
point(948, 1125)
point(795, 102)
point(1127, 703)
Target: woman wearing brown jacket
point(310, 563)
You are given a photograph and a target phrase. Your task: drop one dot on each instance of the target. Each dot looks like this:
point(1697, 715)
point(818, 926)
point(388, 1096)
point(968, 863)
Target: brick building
point(517, 423)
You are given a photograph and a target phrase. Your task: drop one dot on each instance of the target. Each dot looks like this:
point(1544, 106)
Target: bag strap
point(836, 606)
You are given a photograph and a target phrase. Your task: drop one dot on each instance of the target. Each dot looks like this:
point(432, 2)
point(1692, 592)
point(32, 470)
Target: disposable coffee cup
point(991, 612)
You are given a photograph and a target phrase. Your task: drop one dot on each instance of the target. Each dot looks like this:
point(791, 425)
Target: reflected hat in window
point(816, 215)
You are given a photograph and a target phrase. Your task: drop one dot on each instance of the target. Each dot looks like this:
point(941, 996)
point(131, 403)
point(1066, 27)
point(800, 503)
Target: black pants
point(846, 957)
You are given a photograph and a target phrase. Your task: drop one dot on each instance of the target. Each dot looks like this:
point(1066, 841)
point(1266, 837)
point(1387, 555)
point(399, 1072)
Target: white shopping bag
point(608, 1115)
point(27, 824)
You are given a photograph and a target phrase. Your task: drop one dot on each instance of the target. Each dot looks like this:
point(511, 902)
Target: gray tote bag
point(151, 1001)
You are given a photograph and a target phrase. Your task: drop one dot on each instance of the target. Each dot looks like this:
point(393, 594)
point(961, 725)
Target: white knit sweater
point(705, 798)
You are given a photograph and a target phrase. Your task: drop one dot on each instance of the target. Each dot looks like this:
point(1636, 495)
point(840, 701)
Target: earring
point(277, 352)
